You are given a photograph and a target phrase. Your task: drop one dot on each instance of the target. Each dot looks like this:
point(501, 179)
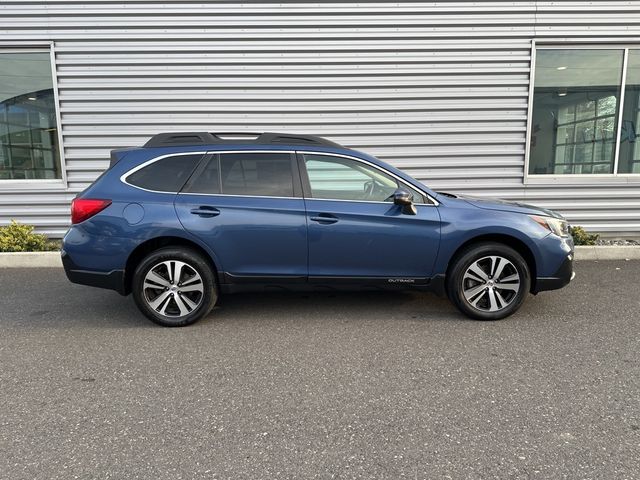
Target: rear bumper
point(559, 279)
point(113, 280)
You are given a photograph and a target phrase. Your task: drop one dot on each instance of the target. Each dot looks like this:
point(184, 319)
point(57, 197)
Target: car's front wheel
point(489, 281)
point(174, 287)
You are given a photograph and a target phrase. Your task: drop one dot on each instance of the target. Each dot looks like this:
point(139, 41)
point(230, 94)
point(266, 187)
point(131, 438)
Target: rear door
point(355, 230)
point(247, 207)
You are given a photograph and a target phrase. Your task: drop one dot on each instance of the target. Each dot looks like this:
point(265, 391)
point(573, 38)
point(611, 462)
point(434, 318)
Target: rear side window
point(260, 174)
point(166, 175)
point(206, 180)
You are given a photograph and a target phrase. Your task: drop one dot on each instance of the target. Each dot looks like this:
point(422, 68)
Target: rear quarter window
point(165, 175)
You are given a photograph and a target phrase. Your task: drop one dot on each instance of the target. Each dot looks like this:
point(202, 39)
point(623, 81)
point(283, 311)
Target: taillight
point(83, 208)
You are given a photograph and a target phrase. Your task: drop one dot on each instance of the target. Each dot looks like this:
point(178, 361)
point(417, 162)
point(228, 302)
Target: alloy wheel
point(173, 288)
point(491, 283)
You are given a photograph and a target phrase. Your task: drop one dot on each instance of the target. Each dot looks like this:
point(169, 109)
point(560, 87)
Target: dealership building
point(535, 101)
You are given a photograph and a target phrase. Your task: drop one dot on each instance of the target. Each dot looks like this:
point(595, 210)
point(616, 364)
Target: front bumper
point(559, 279)
point(113, 280)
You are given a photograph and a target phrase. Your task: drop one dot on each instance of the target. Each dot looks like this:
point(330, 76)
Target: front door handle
point(324, 218)
point(205, 211)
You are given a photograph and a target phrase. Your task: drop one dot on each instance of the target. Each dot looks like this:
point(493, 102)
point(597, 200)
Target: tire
point(476, 290)
point(169, 302)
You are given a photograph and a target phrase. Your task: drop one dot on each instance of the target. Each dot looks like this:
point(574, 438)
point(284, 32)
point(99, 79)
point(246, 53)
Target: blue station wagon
point(191, 216)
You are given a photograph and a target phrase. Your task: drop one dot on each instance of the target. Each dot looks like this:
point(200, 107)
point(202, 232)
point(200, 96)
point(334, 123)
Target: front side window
point(28, 127)
point(257, 174)
point(168, 174)
point(338, 178)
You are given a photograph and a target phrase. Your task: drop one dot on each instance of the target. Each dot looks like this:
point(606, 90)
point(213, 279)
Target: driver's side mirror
point(403, 198)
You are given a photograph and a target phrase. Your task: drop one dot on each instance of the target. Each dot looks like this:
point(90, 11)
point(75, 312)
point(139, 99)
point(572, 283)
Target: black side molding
point(249, 283)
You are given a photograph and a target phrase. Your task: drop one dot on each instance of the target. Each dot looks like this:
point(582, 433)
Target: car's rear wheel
point(174, 287)
point(489, 281)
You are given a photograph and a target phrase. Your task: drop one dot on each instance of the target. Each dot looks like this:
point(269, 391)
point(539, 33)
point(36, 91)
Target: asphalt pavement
point(299, 386)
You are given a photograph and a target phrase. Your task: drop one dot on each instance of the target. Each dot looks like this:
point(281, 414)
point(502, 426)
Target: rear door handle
point(325, 218)
point(205, 211)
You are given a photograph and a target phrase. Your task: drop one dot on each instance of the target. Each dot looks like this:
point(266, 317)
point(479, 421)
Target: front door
point(248, 208)
point(354, 229)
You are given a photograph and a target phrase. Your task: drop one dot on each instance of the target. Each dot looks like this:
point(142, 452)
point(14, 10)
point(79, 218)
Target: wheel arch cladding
point(153, 244)
point(508, 240)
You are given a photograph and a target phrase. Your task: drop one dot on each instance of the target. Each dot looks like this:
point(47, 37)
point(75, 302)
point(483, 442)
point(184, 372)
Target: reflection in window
point(28, 128)
point(629, 161)
point(260, 174)
point(338, 178)
point(575, 105)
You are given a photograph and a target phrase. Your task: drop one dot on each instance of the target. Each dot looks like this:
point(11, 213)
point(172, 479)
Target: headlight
point(554, 225)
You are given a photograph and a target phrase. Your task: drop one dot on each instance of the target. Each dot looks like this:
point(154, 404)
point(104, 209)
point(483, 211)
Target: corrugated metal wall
point(438, 89)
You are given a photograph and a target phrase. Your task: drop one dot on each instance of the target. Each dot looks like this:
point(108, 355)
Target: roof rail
point(175, 139)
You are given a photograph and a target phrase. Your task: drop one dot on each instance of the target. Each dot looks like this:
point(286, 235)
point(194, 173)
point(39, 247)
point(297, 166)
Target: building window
point(629, 160)
point(28, 128)
point(575, 110)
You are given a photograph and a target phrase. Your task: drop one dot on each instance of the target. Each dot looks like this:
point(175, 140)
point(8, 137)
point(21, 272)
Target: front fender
point(462, 225)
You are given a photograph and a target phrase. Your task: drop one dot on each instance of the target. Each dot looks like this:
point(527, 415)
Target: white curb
point(52, 259)
point(608, 252)
point(30, 259)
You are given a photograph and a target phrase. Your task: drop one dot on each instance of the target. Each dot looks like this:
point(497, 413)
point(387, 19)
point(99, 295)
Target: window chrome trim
point(240, 196)
point(125, 175)
point(295, 198)
point(365, 201)
point(434, 203)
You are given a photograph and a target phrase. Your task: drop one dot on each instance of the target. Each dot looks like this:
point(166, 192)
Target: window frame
point(428, 200)
point(41, 183)
point(578, 178)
